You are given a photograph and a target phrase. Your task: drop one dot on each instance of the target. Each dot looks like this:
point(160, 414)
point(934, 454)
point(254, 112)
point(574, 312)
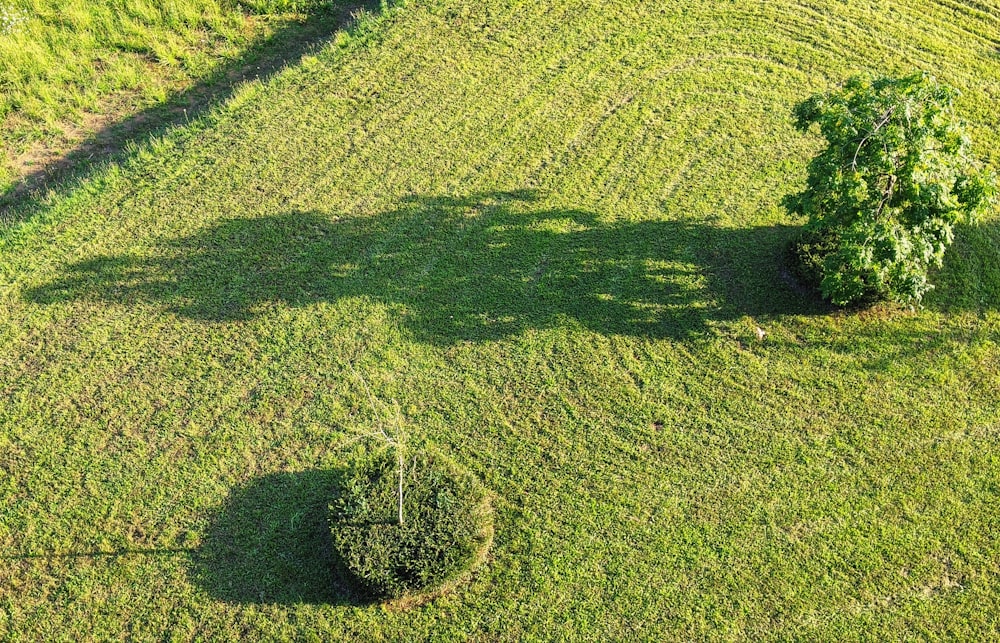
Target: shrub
point(446, 531)
point(883, 197)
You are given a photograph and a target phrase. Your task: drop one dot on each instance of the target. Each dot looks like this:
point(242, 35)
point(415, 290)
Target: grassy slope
point(549, 231)
point(69, 67)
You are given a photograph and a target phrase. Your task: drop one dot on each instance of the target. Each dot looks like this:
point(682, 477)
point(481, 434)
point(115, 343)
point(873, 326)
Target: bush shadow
point(475, 268)
point(263, 60)
point(270, 544)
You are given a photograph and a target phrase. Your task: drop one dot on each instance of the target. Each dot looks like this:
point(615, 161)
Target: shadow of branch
point(113, 553)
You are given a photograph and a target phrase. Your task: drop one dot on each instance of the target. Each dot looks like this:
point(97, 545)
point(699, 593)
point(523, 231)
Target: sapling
point(394, 437)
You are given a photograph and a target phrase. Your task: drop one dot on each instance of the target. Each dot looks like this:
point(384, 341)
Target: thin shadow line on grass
point(270, 543)
point(110, 143)
point(474, 268)
point(114, 553)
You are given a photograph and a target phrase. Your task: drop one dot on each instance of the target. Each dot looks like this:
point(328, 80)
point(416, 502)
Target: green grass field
point(549, 231)
point(86, 75)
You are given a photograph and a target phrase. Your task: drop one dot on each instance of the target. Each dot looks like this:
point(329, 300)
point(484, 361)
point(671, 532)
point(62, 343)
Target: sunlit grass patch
point(552, 232)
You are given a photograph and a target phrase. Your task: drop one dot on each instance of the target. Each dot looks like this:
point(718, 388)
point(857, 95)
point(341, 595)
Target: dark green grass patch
point(544, 266)
point(270, 543)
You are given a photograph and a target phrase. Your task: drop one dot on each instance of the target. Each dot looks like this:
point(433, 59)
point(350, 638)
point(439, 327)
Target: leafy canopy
point(884, 196)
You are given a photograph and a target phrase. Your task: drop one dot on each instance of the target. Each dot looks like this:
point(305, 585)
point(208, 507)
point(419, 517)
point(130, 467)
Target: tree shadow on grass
point(969, 281)
point(476, 268)
point(260, 62)
point(270, 543)
point(970, 276)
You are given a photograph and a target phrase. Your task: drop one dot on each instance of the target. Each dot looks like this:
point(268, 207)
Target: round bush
point(446, 530)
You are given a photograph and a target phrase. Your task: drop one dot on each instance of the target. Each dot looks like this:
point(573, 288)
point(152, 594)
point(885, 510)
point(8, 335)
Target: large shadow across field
point(475, 268)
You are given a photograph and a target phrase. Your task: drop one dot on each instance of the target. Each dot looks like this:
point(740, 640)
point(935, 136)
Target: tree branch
point(886, 195)
point(885, 119)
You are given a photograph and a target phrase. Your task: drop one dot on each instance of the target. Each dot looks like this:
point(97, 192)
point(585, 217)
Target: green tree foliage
point(883, 197)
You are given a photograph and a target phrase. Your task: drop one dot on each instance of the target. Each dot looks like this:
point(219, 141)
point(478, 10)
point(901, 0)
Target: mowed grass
point(70, 69)
point(549, 232)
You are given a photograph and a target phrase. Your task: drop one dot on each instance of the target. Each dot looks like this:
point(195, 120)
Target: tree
point(883, 197)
